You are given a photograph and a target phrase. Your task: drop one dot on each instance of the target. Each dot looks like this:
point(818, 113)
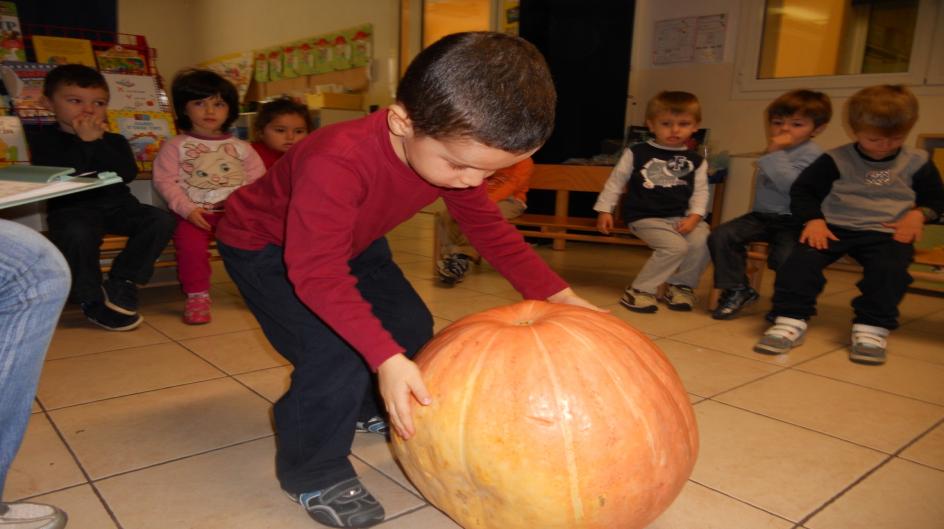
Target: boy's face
point(207, 115)
point(71, 102)
point(449, 163)
point(796, 128)
point(283, 131)
point(877, 144)
point(671, 129)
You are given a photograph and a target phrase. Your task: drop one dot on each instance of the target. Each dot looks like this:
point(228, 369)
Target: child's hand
point(604, 222)
point(687, 224)
point(817, 234)
point(87, 128)
point(908, 228)
point(569, 297)
point(196, 217)
point(779, 142)
point(399, 378)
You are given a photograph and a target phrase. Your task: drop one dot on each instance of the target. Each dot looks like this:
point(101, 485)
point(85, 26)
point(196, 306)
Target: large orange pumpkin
point(549, 416)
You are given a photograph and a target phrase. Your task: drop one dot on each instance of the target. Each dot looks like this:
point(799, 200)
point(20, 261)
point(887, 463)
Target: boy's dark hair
point(279, 107)
point(193, 85)
point(675, 102)
point(72, 75)
point(887, 109)
point(493, 88)
point(807, 103)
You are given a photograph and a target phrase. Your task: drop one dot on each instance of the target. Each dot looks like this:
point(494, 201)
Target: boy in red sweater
point(305, 246)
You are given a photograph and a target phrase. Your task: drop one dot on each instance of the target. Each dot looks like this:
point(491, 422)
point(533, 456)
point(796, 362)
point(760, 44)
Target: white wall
point(186, 32)
point(737, 125)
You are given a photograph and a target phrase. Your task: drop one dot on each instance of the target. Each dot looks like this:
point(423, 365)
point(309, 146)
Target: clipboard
point(25, 184)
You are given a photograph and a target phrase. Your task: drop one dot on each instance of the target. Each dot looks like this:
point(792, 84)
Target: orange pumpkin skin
point(549, 416)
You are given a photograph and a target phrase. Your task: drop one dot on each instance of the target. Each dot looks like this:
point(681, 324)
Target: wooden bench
point(561, 227)
point(112, 245)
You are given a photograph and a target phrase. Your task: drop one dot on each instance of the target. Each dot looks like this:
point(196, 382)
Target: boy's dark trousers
point(884, 276)
point(77, 230)
point(728, 245)
point(315, 419)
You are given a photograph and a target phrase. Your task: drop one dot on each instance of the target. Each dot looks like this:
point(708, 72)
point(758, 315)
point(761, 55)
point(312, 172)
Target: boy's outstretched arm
point(400, 379)
point(806, 200)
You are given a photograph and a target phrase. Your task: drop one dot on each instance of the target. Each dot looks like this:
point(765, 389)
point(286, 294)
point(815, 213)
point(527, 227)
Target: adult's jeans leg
point(34, 283)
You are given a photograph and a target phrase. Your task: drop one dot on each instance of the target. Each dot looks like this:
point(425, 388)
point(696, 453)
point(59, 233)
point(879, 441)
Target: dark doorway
point(587, 46)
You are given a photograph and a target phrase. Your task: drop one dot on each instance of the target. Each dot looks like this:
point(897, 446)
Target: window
point(841, 44)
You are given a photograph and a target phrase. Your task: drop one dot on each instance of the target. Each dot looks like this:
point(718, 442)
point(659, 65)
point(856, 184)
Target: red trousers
point(193, 255)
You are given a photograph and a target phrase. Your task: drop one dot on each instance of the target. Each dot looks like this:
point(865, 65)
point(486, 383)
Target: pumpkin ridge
point(568, 435)
point(467, 399)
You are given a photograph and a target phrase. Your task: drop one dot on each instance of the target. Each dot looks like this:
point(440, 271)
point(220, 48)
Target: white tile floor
point(168, 426)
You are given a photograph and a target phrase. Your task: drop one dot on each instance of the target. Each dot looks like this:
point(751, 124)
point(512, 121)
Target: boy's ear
point(399, 121)
point(45, 102)
point(818, 130)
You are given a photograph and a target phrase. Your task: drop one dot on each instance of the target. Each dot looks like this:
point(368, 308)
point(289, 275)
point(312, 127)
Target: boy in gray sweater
point(793, 119)
point(869, 199)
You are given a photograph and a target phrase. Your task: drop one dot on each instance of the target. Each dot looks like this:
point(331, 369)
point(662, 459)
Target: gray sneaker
point(868, 344)
point(344, 504)
point(679, 297)
point(452, 268)
point(23, 515)
point(637, 301)
point(785, 334)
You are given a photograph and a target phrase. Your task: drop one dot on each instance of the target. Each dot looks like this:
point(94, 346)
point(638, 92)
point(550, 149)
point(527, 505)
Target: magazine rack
point(101, 40)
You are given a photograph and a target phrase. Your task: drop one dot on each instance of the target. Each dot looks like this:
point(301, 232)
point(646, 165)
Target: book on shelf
point(24, 84)
point(134, 92)
point(24, 184)
point(12, 141)
point(63, 50)
point(145, 131)
point(11, 36)
point(119, 59)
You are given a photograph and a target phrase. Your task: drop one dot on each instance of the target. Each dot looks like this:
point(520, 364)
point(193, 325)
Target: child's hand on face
point(817, 234)
point(399, 379)
point(687, 224)
point(908, 228)
point(89, 128)
point(779, 142)
point(196, 217)
point(604, 222)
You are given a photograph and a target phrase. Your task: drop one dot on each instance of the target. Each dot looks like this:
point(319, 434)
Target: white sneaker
point(785, 334)
point(24, 515)
point(868, 344)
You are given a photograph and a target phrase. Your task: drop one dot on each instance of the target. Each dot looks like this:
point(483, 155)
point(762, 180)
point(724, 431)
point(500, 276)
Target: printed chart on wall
point(689, 39)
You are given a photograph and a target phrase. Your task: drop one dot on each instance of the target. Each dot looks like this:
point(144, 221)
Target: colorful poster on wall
point(343, 50)
point(237, 68)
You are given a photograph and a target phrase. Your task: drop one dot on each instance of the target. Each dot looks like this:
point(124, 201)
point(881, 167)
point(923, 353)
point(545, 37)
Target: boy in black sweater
point(78, 95)
point(869, 199)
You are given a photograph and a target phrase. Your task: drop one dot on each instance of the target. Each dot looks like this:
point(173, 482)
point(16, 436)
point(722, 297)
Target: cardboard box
point(330, 100)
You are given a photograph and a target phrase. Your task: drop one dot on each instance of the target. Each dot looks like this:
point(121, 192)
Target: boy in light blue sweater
point(793, 120)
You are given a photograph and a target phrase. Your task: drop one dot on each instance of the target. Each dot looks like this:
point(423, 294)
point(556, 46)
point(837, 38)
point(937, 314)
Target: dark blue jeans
point(728, 244)
point(331, 384)
point(885, 276)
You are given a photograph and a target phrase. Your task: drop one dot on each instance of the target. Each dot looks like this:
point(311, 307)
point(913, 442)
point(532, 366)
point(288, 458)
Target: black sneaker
point(104, 317)
point(345, 504)
point(452, 268)
point(121, 296)
point(375, 424)
point(732, 301)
